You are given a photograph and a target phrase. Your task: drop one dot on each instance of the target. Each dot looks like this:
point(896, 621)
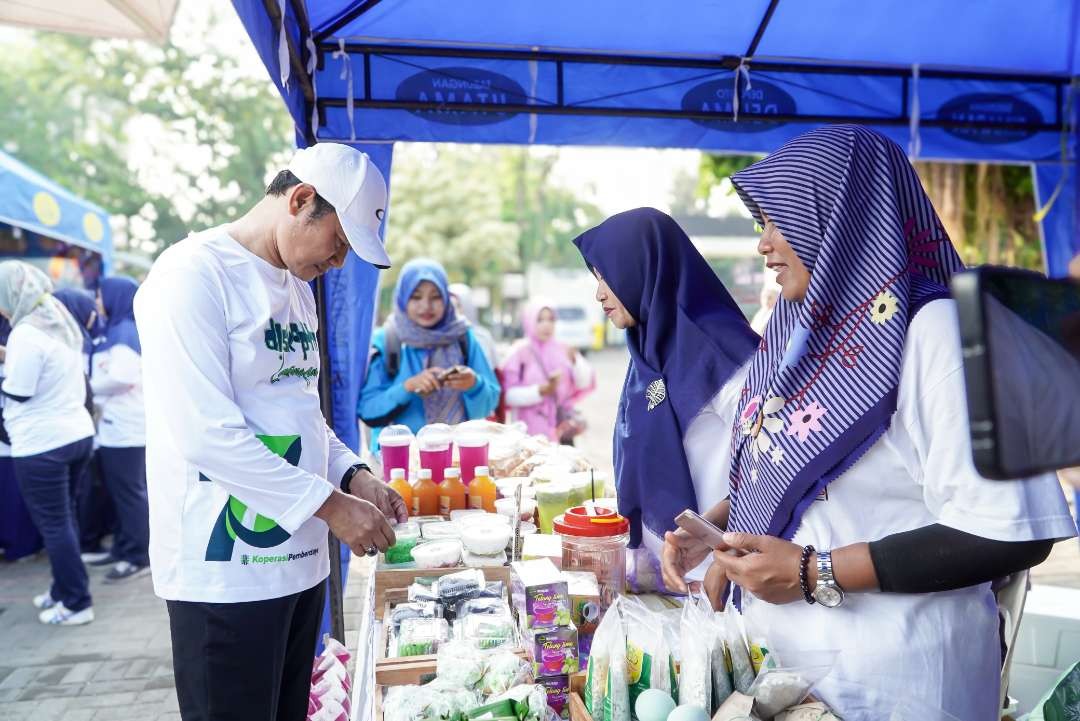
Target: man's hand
point(359, 524)
point(425, 382)
point(681, 554)
point(462, 378)
point(364, 485)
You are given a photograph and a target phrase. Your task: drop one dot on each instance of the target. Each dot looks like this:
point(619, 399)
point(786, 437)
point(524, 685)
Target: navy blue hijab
point(689, 340)
point(82, 305)
point(118, 299)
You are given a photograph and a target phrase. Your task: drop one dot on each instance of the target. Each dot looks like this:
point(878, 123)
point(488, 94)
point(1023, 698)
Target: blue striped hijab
point(823, 386)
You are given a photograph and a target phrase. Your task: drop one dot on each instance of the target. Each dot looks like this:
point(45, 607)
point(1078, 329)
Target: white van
point(574, 327)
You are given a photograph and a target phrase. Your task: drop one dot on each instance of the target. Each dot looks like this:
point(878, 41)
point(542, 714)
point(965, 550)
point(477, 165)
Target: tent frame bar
point(623, 112)
point(762, 26)
point(729, 63)
point(345, 19)
point(726, 62)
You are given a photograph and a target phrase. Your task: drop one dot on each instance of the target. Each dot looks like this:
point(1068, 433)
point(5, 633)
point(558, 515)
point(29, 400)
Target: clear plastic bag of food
point(457, 585)
point(532, 699)
point(503, 670)
point(421, 636)
point(461, 664)
point(418, 609)
point(777, 688)
point(720, 659)
point(494, 590)
point(485, 631)
point(649, 662)
point(697, 634)
point(607, 690)
point(742, 668)
point(482, 606)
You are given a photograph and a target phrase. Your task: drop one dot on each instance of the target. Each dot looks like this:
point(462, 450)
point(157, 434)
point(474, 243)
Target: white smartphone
point(700, 528)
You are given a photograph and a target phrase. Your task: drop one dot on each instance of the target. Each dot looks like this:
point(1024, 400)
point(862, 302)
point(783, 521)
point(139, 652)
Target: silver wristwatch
point(827, 592)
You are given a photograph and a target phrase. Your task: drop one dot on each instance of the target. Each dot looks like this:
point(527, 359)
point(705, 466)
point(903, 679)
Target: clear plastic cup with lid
point(436, 446)
point(394, 444)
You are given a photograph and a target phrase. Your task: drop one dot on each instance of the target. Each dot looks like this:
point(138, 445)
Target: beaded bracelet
point(804, 574)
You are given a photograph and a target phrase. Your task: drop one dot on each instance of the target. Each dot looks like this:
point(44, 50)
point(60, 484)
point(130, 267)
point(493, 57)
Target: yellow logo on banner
point(46, 208)
point(92, 227)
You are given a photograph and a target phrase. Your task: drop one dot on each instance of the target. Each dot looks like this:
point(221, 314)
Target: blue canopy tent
point(950, 81)
point(32, 202)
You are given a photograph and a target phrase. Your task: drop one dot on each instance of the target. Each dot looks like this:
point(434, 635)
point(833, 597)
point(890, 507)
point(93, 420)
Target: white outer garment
point(117, 384)
point(51, 374)
point(229, 353)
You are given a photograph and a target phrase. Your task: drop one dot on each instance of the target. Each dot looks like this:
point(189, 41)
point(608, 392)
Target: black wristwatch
point(347, 478)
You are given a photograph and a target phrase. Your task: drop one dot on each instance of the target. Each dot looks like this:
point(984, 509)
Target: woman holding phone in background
point(425, 366)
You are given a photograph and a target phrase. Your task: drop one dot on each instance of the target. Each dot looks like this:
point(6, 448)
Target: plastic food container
point(422, 636)
point(407, 535)
point(507, 486)
point(486, 538)
point(437, 554)
point(596, 542)
point(441, 530)
point(461, 514)
point(507, 507)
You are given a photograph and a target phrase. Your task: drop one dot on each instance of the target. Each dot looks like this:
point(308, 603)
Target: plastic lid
point(424, 474)
point(435, 437)
point(480, 471)
point(452, 472)
point(395, 435)
point(397, 474)
point(577, 521)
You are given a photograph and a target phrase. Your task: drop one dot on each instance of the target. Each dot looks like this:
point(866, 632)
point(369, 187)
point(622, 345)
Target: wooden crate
point(388, 578)
point(578, 712)
point(408, 669)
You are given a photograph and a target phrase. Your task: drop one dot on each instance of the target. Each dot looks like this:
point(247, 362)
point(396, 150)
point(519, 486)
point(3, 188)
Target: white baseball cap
point(350, 182)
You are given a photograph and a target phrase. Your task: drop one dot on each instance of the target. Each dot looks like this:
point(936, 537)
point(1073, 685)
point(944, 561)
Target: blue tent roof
point(30, 200)
point(950, 81)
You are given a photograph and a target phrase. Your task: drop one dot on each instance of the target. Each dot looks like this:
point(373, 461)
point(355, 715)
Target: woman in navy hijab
point(689, 344)
point(116, 379)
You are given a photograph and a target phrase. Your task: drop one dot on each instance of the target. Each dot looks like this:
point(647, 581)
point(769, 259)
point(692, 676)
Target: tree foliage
point(167, 139)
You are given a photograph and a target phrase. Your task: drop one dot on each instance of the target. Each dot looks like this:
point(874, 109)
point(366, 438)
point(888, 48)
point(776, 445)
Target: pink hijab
point(532, 362)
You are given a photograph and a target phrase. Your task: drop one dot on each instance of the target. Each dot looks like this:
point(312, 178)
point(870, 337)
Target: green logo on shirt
point(265, 532)
point(284, 339)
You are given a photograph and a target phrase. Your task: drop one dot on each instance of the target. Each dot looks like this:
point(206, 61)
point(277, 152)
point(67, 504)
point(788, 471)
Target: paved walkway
point(118, 667)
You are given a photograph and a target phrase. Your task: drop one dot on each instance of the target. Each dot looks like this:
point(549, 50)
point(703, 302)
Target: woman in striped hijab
point(857, 521)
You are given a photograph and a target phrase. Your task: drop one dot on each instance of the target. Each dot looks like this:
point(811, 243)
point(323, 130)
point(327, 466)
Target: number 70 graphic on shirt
point(265, 532)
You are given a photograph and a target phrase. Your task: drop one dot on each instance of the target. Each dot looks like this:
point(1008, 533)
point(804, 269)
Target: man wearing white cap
point(243, 474)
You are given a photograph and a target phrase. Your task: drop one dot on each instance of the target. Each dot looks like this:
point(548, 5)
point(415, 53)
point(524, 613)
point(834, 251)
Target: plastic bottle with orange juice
point(482, 490)
point(399, 484)
point(451, 492)
point(425, 494)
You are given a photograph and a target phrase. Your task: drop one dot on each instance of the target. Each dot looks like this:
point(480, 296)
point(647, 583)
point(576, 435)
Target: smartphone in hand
point(701, 529)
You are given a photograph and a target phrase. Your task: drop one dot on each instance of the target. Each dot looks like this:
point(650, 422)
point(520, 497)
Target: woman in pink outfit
point(544, 378)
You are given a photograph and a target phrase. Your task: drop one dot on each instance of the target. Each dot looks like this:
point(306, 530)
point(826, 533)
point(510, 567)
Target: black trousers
point(47, 481)
point(97, 518)
point(245, 661)
point(124, 470)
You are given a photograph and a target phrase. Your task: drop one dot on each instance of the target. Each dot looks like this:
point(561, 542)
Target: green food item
point(498, 710)
point(401, 552)
point(417, 648)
